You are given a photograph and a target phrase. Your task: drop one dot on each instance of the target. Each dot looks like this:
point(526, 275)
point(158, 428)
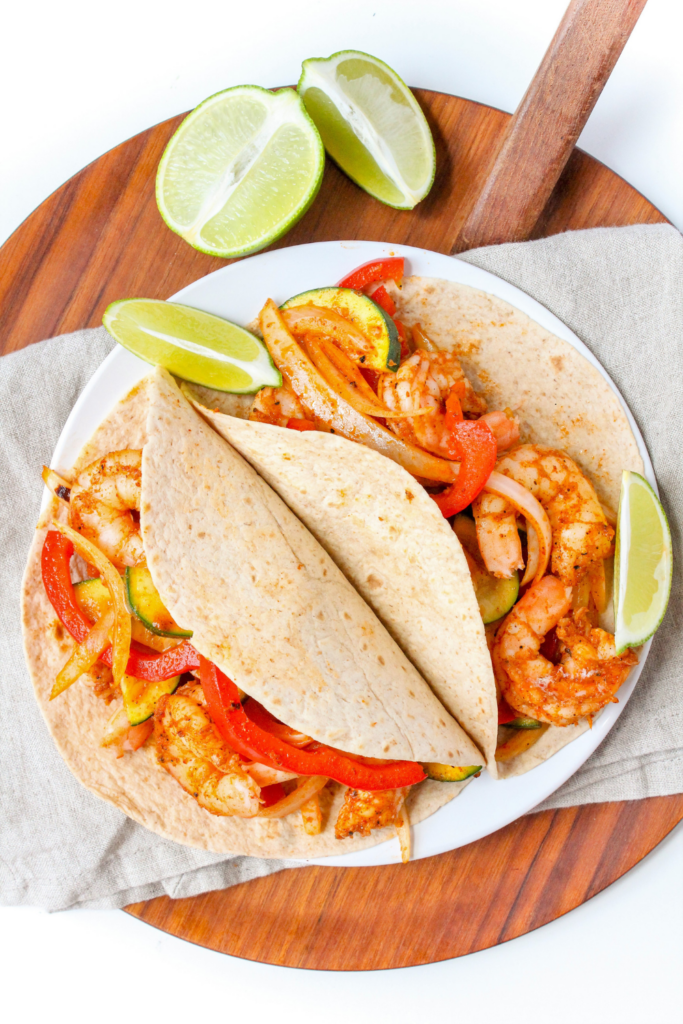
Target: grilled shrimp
point(582, 537)
point(364, 810)
point(277, 405)
point(424, 381)
point(588, 675)
point(504, 426)
point(101, 503)
point(190, 749)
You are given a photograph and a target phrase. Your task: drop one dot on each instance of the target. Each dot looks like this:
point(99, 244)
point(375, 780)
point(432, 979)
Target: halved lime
point(240, 170)
point(643, 563)
point(371, 125)
point(191, 344)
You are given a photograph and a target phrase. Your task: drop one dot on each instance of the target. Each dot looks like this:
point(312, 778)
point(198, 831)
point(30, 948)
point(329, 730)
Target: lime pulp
point(240, 170)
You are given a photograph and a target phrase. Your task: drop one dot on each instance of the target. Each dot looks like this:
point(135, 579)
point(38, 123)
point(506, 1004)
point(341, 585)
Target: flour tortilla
point(135, 783)
point(390, 540)
point(561, 400)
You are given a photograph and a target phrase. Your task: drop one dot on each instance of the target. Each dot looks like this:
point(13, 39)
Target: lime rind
point(313, 76)
point(284, 107)
point(199, 360)
point(625, 635)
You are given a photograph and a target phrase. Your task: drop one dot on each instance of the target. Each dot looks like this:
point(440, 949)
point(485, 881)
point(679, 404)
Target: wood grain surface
point(100, 238)
point(545, 127)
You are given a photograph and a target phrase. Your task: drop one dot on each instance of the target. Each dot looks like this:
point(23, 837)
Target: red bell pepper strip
point(505, 712)
point(257, 744)
point(474, 444)
point(384, 300)
point(375, 270)
point(142, 663)
point(272, 794)
point(294, 424)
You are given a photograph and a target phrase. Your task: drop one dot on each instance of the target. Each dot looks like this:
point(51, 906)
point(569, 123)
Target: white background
point(77, 78)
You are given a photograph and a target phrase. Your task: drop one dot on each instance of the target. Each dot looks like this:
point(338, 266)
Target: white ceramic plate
point(237, 293)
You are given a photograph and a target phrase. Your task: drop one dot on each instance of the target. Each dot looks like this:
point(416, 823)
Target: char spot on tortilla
point(374, 582)
point(409, 495)
point(380, 659)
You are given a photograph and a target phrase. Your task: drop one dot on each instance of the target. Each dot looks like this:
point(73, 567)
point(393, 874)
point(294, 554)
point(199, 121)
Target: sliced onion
point(314, 320)
point(581, 594)
point(120, 647)
point(312, 816)
point(56, 484)
point(264, 776)
point(85, 654)
point(598, 587)
point(346, 389)
point(404, 835)
point(532, 554)
point(344, 376)
point(529, 507)
point(423, 341)
point(333, 413)
point(145, 636)
point(115, 729)
point(304, 792)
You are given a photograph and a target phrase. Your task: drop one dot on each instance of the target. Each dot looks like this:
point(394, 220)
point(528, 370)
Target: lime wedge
point(643, 563)
point(371, 125)
point(240, 170)
point(191, 344)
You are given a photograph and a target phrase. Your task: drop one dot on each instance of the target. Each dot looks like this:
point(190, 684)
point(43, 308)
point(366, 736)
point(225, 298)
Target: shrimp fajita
point(293, 623)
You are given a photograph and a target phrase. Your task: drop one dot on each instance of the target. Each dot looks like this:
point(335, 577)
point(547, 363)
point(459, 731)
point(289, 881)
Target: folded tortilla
point(406, 564)
point(269, 606)
point(390, 540)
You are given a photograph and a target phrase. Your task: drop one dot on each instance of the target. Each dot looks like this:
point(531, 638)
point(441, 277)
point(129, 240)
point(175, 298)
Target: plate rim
point(120, 370)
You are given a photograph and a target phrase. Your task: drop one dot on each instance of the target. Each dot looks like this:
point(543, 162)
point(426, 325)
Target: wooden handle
point(549, 120)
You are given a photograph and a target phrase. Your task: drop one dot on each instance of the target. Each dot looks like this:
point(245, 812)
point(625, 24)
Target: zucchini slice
point(140, 697)
point(449, 773)
point(524, 723)
point(92, 597)
point(147, 606)
point(495, 597)
point(383, 351)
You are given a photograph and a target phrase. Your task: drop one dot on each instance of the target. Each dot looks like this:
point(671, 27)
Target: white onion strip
point(403, 832)
point(532, 553)
point(300, 796)
point(265, 776)
point(120, 647)
point(528, 506)
point(85, 654)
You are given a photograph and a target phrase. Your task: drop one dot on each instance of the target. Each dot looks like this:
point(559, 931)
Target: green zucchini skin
point(384, 348)
point(524, 723)
point(495, 597)
point(449, 773)
point(140, 698)
point(145, 603)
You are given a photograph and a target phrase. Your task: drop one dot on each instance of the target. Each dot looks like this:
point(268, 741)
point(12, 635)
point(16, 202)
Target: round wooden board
point(100, 238)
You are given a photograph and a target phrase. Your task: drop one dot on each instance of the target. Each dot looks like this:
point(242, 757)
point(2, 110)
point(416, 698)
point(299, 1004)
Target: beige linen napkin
point(619, 289)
